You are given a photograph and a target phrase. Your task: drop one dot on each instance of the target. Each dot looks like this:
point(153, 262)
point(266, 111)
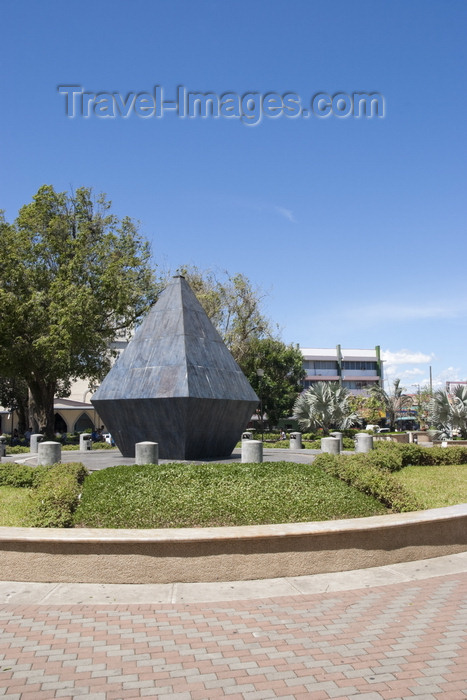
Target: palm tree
point(324, 405)
point(448, 412)
point(393, 402)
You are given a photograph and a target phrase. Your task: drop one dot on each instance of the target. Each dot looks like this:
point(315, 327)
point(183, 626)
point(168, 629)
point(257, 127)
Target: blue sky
point(354, 227)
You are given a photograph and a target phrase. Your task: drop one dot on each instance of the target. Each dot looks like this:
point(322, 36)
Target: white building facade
point(355, 369)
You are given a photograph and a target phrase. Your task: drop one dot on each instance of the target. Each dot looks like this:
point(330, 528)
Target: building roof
point(331, 353)
point(60, 404)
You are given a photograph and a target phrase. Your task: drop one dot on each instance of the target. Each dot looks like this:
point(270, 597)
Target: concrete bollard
point(252, 451)
point(363, 442)
point(330, 445)
point(339, 437)
point(295, 441)
point(85, 442)
point(49, 453)
point(147, 453)
point(2, 447)
point(35, 439)
point(247, 435)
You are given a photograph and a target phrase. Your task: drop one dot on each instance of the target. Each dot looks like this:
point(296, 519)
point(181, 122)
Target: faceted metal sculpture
point(176, 384)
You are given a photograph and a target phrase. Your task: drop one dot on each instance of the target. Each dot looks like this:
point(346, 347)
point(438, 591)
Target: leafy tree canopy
point(368, 408)
point(422, 404)
point(283, 372)
point(234, 306)
point(72, 277)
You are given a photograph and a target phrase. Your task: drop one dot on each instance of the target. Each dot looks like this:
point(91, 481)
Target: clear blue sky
point(354, 227)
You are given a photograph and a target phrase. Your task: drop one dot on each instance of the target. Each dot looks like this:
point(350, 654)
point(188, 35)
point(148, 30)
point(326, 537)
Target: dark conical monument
point(176, 384)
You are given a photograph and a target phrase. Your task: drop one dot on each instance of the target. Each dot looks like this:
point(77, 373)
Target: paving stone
point(402, 640)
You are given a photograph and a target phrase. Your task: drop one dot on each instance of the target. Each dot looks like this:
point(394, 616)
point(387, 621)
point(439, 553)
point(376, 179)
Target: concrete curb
point(21, 593)
point(229, 553)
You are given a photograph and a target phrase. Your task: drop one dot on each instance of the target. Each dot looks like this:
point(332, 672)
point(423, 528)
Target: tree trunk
point(22, 408)
point(43, 406)
point(33, 423)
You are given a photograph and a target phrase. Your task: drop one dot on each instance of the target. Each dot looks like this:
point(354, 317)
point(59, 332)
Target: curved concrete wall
point(229, 553)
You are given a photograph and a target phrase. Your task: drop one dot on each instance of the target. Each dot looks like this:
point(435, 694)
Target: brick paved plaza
point(400, 640)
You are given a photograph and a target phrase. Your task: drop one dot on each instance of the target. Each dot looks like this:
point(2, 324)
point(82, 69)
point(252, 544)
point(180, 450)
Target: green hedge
point(398, 455)
point(56, 497)
point(369, 474)
point(19, 475)
point(16, 449)
point(348, 444)
point(372, 472)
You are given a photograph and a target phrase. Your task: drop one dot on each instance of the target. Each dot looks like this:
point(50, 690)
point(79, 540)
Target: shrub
point(370, 478)
point(455, 454)
point(16, 449)
point(55, 499)
point(412, 454)
point(388, 461)
point(17, 475)
point(102, 446)
point(312, 445)
point(416, 455)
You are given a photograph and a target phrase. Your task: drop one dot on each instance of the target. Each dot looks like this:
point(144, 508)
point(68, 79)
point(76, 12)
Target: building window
point(319, 364)
point(359, 364)
point(358, 386)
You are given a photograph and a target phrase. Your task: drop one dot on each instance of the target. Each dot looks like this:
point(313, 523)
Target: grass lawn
point(437, 486)
point(13, 505)
point(190, 495)
point(172, 495)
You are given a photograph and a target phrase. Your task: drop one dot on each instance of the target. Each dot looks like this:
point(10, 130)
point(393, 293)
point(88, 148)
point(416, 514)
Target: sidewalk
point(397, 631)
point(394, 632)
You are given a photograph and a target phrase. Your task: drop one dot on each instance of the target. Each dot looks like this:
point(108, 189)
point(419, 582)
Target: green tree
point(422, 404)
point(283, 373)
point(324, 405)
point(14, 397)
point(234, 306)
point(72, 278)
point(448, 412)
point(368, 408)
point(393, 401)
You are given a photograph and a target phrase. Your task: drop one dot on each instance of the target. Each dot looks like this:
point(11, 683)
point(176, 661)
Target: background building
point(355, 370)
point(452, 386)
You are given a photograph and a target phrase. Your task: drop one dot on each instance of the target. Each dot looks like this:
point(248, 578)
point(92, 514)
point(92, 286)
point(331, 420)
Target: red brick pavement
point(403, 640)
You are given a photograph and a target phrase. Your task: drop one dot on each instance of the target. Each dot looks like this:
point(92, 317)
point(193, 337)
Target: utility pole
point(260, 374)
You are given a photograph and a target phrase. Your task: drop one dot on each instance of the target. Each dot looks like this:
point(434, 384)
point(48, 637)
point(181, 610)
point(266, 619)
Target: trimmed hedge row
point(395, 456)
point(56, 496)
point(55, 491)
point(348, 444)
point(372, 472)
point(367, 475)
point(19, 476)
point(16, 449)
